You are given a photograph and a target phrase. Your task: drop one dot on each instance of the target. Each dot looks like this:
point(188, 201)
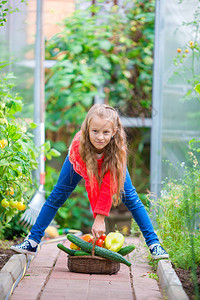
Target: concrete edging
point(11, 272)
point(170, 282)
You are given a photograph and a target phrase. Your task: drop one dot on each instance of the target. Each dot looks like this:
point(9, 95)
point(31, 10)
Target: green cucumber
point(99, 251)
point(81, 253)
point(126, 250)
point(66, 250)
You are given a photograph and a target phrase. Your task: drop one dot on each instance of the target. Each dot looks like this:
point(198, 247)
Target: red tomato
point(100, 242)
point(91, 241)
point(103, 236)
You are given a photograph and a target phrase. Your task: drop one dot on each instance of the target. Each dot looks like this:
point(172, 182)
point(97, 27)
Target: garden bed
point(5, 252)
point(186, 280)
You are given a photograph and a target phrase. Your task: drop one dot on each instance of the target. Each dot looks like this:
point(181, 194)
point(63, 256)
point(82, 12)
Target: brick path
point(48, 278)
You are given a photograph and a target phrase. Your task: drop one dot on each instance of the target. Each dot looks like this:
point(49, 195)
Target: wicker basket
point(92, 265)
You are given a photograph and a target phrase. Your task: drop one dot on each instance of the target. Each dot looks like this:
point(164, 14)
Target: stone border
point(170, 282)
point(11, 272)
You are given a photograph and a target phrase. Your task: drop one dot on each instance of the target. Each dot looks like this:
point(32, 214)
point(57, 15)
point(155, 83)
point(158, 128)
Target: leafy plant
point(178, 213)
point(5, 8)
point(108, 56)
point(141, 32)
point(17, 153)
point(153, 276)
point(14, 229)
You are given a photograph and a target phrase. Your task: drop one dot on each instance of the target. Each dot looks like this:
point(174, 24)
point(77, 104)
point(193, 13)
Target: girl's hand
point(98, 227)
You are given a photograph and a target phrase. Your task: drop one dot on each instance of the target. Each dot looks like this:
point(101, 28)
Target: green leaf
point(148, 60)
point(60, 146)
point(3, 64)
point(115, 58)
point(197, 88)
point(33, 125)
point(4, 162)
point(105, 45)
point(63, 214)
point(10, 76)
point(12, 129)
point(47, 146)
point(76, 49)
point(16, 106)
point(48, 156)
point(103, 62)
point(54, 152)
point(16, 136)
point(13, 173)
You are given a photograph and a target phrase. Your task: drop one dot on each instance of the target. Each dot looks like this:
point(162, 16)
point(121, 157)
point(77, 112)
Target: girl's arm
point(98, 227)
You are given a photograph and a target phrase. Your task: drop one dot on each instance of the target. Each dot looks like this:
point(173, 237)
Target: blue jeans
point(67, 182)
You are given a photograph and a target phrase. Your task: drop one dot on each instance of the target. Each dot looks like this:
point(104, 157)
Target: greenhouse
point(139, 60)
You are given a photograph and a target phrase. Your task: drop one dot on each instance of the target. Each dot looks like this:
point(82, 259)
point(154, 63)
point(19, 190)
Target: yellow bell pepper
point(114, 241)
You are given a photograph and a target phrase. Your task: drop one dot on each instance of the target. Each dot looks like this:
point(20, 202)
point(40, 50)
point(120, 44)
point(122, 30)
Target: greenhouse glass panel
point(181, 104)
point(177, 105)
point(18, 42)
point(17, 48)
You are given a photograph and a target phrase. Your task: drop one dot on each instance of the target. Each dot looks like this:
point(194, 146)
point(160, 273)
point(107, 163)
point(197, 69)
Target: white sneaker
point(25, 248)
point(158, 252)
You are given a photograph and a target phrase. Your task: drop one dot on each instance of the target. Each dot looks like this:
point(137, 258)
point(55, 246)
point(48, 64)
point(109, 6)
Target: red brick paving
point(48, 278)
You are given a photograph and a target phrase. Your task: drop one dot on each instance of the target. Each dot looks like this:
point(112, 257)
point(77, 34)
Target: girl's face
point(100, 132)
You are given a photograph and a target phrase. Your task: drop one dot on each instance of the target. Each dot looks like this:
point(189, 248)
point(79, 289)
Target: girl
point(98, 154)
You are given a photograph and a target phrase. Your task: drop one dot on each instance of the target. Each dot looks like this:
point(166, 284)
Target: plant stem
point(190, 223)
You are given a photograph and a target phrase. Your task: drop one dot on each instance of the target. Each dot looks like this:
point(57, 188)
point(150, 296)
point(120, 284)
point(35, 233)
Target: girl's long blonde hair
point(114, 153)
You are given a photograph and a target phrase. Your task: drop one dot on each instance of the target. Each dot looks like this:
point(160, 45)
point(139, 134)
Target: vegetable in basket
point(114, 241)
point(100, 242)
point(99, 251)
point(86, 237)
point(126, 250)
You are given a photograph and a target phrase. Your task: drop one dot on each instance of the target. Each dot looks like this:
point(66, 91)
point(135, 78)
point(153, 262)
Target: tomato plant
point(21, 206)
point(13, 203)
point(4, 203)
point(18, 154)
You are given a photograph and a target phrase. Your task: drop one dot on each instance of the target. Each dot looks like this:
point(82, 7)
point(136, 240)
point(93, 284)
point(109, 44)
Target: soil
point(186, 280)
point(5, 252)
